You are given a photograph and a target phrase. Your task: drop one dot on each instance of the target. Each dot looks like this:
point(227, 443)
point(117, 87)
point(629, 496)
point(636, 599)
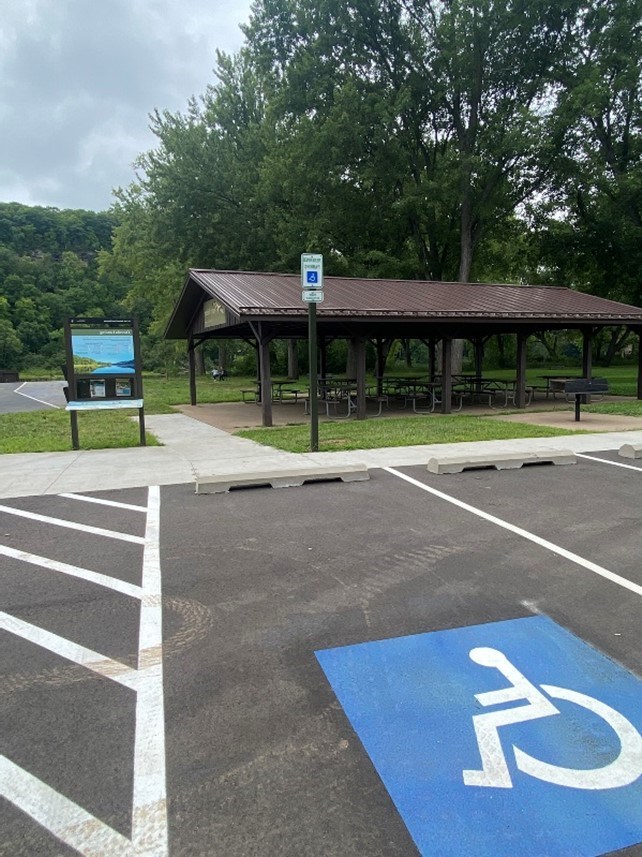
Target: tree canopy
point(437, 139)
point(48, 272)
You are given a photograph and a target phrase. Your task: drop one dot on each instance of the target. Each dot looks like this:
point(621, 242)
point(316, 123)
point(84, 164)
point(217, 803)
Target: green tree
point(454, 118)
point(48, 271)
point(592, 227)
point(10, 345)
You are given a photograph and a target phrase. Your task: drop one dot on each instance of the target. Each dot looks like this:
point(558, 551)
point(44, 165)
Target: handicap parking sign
point(509, 738)
point(312, 277)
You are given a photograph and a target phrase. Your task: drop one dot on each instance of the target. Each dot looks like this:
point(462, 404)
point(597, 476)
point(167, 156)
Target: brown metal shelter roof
point(383, 307)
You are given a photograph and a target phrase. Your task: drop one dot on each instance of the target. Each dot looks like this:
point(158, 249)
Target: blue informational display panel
point(511, 738)
point(103, 359)
point(102, 350)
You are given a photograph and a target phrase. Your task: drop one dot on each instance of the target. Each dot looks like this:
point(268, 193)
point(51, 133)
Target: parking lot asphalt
point(267, 596)
point(31, 396)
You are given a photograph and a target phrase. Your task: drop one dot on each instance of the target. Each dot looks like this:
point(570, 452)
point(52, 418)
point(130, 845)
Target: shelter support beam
point(638, 330)
point(478, 345)
point(432, 357)
point(191, 363)
point(446, 375)
point(520, 386)
point(587, 352)
point(380, 365)
point(360, 359)
point(263, 338)
point(323, 357)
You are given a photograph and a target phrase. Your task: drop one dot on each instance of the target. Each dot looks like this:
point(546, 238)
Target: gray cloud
point(78, 79)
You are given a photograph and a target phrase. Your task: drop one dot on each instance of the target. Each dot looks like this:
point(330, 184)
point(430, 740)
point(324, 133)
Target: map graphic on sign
point(102, 351)
point(508, 738)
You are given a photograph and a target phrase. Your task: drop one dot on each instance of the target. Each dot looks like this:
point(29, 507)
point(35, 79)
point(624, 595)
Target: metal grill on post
point(582, 388)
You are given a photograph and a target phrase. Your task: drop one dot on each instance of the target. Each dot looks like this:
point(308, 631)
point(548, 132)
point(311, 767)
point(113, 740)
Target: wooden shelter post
point(587, 352)
point(520, 384)
point(360, 359)
point(380, 364)
point(264, 338)
point(478, 345)
point(191, 363)
point(638, 330)
point(432, 359)
point(446, 375)
point(323, 354)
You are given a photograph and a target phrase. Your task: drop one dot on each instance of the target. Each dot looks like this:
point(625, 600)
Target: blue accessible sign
point(509, 738)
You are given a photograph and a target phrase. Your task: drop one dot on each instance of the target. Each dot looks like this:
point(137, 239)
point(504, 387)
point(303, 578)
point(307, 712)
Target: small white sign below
point(312, 296)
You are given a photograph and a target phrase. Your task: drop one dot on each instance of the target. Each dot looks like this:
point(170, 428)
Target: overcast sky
point(79, 78)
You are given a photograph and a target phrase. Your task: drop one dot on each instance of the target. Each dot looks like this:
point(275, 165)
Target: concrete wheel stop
point(631, 450)
point(500, 461)
point(290, 478)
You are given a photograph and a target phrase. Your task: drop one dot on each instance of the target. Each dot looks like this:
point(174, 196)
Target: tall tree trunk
point(199, 360)
point(466, 245)
point(617, 341)
point(351, 361)
point(407, 355)
point(293, 360)
point(223, 359)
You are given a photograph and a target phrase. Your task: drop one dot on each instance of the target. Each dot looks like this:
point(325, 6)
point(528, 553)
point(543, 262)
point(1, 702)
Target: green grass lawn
point(162, 393)
point(405, 431)
point(48, 431)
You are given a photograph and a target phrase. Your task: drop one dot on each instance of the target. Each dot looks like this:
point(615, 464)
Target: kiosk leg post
point(73, 415)
point(141, 425)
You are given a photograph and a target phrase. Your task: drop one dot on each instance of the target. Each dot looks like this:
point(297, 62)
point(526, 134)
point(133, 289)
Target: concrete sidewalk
point(193, 448)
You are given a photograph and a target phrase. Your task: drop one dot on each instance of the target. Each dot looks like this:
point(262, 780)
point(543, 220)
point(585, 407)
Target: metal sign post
point(312, 294)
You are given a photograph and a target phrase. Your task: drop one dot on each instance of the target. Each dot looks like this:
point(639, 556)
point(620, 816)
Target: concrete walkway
point(192, 447)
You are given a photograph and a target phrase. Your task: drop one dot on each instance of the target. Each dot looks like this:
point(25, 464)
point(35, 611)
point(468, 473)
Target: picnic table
point(337, 392)
point(285, 391)
point(485, 388)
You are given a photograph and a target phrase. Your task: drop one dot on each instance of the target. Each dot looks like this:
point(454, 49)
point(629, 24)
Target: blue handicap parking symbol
point(509, 738)
point(312, 277)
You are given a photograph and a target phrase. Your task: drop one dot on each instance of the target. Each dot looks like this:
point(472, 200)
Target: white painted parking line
point(106, 667)
point(606, 461)
point(149, 822)
point(56, 813)
point(114, 583)
point(116, 505)
point(33, 398)
point(71, 525)
point(61, 816)
point(573, 557)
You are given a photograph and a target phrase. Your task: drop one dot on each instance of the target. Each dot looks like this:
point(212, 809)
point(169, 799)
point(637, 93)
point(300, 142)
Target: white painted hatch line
point(606, 461)
point(131, 507)
point(72, 525)
point(59, 815)
point(573, 557)
point(63, 818)
point(45, 562)
point(84, 657)
point(33, 398)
